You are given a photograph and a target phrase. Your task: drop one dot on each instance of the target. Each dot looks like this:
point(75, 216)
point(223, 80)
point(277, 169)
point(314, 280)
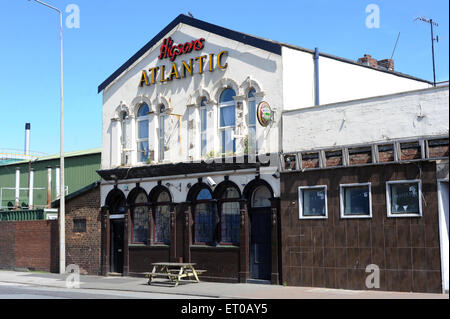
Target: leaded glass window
point(140, 219)
point(162, 218)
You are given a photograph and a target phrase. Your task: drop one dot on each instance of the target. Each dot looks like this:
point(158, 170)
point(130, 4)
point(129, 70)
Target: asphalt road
point(21, 291)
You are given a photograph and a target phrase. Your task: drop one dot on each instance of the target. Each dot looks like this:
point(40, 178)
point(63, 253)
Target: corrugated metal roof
point(56, 156)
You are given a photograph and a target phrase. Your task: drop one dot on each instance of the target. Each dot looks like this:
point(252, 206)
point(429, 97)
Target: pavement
point(200, 290)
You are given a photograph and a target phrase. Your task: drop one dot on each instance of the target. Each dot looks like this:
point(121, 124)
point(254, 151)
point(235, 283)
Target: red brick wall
point(29, 244)
point(7, 244)
point(84, 248)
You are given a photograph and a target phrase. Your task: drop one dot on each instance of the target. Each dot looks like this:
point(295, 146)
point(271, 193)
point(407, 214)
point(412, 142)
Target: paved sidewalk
point(205, 289)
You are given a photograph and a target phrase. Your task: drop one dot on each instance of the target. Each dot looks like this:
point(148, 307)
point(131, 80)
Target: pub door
point(116, 243)
point(260, 243)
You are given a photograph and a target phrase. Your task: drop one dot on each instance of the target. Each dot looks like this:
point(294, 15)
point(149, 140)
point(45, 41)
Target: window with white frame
point(312, 202)
point(162, 120)
point(404, 198)
point(356, 200)
point(252, 146)
point(123, 138)
point(203, 128)
point(227, 121)
point(142, 133)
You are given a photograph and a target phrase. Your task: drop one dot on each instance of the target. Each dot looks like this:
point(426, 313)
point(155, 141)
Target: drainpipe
point(57, 181)
point(17, 193)
point(316, 76)
point(49, 187)
point(30, 192)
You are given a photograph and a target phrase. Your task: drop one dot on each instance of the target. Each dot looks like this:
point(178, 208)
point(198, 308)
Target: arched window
point(260, 197)
point(230, 215)
point(251, 148)
point(162, 204)
point(142, 134)
point(139, 218)
point(205, 217)
point(203, 127)
point(227, 121)
point(162, 120)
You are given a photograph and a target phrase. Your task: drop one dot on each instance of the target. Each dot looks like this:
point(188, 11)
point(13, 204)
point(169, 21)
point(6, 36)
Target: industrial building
point(34, 184)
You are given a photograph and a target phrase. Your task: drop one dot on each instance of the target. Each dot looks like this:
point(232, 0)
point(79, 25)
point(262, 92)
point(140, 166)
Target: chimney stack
point(386, 64)
point(27, 138)
point(368, 60)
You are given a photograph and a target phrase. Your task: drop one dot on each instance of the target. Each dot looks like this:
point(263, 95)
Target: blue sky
point(112, 31)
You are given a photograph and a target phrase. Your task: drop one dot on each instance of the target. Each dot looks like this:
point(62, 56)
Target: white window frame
point(225, 128)
point(388, 198)
point(300, 202)
point(123, 138)
point(249, 100)
point(342, 201)
point(161, 132)
point(138, 140)
point(203, 133)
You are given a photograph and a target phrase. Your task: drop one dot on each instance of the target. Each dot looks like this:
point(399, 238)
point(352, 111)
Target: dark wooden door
point(117, 233)
point(260, 243)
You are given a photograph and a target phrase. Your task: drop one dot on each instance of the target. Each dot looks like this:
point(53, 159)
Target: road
point(22, 291)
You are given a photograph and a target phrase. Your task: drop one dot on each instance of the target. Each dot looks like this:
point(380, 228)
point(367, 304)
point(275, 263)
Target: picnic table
point(174, 272)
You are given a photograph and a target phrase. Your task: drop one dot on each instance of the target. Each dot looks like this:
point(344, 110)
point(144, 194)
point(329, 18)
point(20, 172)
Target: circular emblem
point(264, 113)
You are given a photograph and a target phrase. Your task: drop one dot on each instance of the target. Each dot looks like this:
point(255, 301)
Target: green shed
point(79, 171)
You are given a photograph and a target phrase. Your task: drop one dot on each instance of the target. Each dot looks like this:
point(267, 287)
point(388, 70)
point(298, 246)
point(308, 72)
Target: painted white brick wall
point(402, 115)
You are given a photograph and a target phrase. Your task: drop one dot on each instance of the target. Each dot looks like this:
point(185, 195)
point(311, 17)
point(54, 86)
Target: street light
point(62, 242)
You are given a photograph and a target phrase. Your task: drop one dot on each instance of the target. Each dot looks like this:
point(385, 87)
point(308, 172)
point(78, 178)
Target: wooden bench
point(174, 272)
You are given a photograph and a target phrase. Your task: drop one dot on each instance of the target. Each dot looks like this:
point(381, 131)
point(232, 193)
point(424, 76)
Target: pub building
point(192, 148)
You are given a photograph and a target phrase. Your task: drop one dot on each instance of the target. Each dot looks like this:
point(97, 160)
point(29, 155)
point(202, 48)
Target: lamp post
point(62, 241)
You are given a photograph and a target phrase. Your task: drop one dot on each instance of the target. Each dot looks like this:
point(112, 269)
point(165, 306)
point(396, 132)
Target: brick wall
point(84, 248)
point(29, 244)
point(7, 244)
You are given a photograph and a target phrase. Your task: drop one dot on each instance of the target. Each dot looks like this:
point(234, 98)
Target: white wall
point(403, 115)
point(338, 81)
point(243, 60)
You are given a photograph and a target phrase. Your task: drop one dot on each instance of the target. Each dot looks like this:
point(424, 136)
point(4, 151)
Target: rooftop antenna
point(395, 46)
point(431, 22)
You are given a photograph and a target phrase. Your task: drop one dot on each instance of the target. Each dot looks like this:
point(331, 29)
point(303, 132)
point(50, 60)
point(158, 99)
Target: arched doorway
point(259, 211)
point(116, 201)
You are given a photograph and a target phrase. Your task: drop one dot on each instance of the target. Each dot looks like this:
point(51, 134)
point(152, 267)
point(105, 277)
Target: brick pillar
point(275, 278)
point(126, 236)
point(244, 246)
point(105, 245)
point(187, 234)
point(173, 234)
